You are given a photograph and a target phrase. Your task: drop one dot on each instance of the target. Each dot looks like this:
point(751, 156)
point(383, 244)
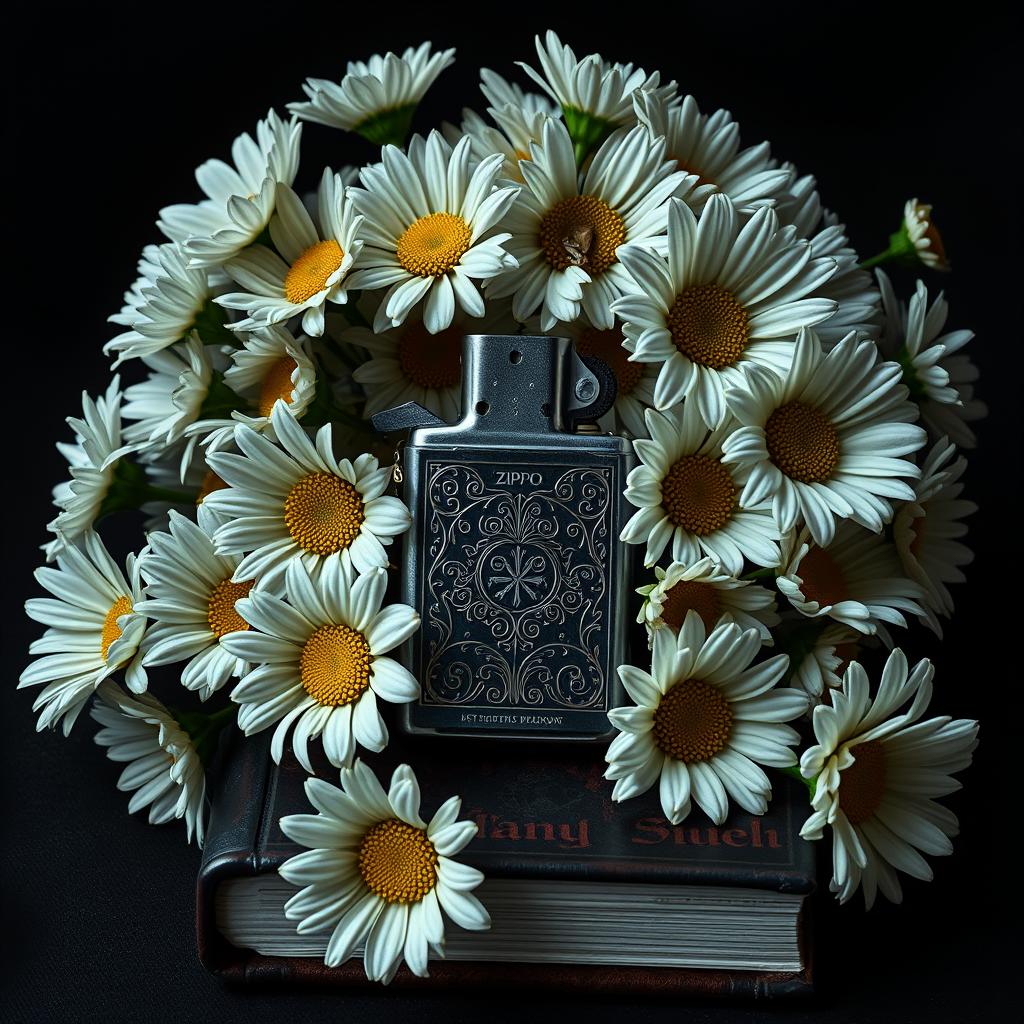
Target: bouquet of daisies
point(797, 499)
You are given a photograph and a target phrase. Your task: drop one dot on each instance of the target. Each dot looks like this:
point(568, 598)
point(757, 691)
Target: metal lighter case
point(513, 559)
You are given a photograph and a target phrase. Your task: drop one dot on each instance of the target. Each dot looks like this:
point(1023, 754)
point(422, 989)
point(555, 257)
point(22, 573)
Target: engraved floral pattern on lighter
point(515, 589)
point(519, 575)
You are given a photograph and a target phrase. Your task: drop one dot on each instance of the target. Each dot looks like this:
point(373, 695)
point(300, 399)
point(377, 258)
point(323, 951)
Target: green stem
point(170, 495)
point(204, 729)
point(793, 771)
point(760, 574)
point(901, 249)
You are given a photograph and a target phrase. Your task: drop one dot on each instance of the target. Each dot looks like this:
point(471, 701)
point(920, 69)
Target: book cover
point(540, 814)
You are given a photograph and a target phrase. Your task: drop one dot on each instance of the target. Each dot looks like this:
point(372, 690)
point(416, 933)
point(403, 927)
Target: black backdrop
point(112, 110)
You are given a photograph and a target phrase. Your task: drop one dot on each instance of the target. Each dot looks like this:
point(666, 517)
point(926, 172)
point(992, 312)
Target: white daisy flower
point(708, 146)
point(818, 653)
point(92, 461)
point(317, 256)
point(376, 98)
point(500, 93)
point(878, 776)
point(703, 722)
point(827, 441)
point(377, 874)
point(301, 502)
point(634, 382)
point(940, 377)
point(687, 496)
point(240, 198)
point(407, 364)
point(272, 364)
point(927, 531)
point(516, 129)
point(165, 304)
point(320, 662)
point(855, 579)
point(595, 96)
point(172, 398)
point(94, 630)
point(852, 287)
point(733, 293)
point(715, 596)
point(191, 597)
point(430, 220)
point(164, 771)
point(568, 237)
point(924, 236)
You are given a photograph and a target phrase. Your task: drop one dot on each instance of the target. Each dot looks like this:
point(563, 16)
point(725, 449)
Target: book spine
point(236, 839)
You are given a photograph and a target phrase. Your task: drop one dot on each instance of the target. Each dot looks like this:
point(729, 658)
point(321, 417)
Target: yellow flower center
point(432, 361)
point(692, 722)
point(432, 245)
point(335, 665)
point(688, 595)
point(581, 231)
point(398, 862)
point(211, 482)
point(862, 785)
point(309, 273)
point(802, 442)
point(323, 513)
point(823, 580)
point(698, 494)
point(277, 384)
point(708, 325)
point(220, 607)
point(607, 346)
point(111, 630)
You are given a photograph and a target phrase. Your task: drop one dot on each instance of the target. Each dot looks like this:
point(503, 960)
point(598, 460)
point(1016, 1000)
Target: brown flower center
point(822, 578)
point(802, 442)
point(708, 325)
point(432, 361)
point(862, 785)
point(698, 494)
point(581, 231)
point(688, 595)
point(693, 721)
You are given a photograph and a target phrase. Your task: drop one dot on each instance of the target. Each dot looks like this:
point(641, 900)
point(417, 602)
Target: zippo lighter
point(513, 559)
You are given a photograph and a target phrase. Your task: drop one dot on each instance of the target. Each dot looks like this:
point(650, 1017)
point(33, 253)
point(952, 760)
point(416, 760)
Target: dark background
point(110, 111)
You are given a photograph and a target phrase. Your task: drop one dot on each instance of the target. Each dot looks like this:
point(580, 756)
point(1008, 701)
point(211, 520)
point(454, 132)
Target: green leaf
point(209, 323)
point(220, 401)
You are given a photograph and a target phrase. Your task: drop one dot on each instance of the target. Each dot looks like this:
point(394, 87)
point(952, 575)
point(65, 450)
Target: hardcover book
point(582, 891)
